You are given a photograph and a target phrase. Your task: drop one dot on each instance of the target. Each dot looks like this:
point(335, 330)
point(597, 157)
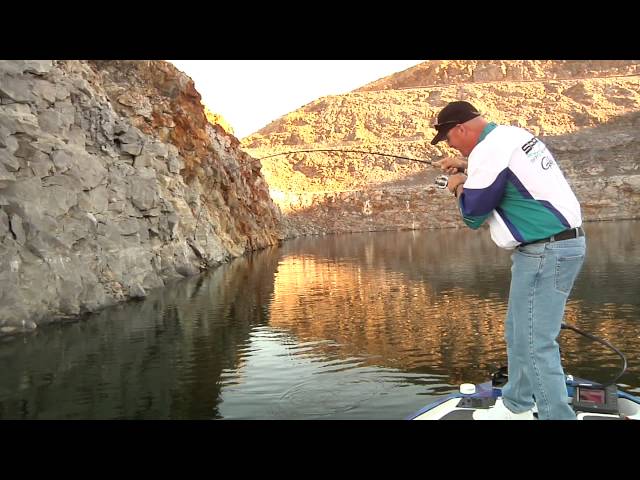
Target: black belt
point(566, 235)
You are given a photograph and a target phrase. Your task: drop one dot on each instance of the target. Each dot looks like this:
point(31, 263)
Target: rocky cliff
point(112, 183)
point(587, 112)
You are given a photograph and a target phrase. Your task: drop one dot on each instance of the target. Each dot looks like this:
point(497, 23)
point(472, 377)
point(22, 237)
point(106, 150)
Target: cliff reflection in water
point(158, 358)
point(344, 326)
point(436, 301)
point(414, 320)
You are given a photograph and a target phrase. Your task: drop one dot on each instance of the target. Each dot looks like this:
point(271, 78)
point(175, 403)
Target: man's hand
point(455, 180)
point(451, 165)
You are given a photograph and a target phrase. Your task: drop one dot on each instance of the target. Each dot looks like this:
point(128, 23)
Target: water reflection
point(158, 358)
point(348, 326)
point(436, 301)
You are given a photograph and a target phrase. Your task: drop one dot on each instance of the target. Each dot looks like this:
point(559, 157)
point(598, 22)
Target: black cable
point(428, 162)
point(605, 343)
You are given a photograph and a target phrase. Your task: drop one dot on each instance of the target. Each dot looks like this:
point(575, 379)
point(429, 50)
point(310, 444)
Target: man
point(514, 184)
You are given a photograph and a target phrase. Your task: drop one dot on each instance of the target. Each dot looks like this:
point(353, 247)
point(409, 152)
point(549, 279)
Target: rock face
point(587, 112)
point(112, 182)
point(475, 71)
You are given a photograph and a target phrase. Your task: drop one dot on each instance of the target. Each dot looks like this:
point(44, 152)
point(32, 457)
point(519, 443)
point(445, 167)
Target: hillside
point(587, 112)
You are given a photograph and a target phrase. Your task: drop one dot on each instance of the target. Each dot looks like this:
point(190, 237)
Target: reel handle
point(442, 181)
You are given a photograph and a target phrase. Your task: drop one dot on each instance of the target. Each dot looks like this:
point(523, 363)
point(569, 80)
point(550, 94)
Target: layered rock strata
point(113, 183)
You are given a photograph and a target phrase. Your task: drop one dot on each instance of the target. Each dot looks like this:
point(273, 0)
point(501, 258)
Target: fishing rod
point(428, 162)
point(440, 181)
point(606, 344)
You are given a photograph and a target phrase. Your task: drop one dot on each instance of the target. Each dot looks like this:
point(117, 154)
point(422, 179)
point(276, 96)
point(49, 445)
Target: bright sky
point(250, 94)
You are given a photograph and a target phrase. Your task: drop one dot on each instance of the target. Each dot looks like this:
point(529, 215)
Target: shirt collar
point(487, 130)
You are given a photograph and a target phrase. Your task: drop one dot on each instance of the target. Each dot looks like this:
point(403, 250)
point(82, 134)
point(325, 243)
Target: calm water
point(362, 326)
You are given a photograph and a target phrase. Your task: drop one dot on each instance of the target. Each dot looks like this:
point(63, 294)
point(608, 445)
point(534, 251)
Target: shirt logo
point(527, 147)
point(546, 163)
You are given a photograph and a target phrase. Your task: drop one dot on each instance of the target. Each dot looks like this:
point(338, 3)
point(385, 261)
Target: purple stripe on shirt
point(480, 201)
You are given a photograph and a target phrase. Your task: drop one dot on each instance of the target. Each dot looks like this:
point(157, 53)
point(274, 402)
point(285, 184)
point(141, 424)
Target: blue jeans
point(542, 276)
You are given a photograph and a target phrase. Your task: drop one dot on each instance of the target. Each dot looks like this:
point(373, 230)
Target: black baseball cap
point(453, 114)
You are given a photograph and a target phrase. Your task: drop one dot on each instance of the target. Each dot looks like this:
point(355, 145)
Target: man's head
point(460, 124)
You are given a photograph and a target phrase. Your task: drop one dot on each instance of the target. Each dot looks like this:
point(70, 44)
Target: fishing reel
point(442, 181)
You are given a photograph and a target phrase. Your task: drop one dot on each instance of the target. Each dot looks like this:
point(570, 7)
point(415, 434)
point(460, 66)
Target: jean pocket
point(567, 269)
point(531, 251)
